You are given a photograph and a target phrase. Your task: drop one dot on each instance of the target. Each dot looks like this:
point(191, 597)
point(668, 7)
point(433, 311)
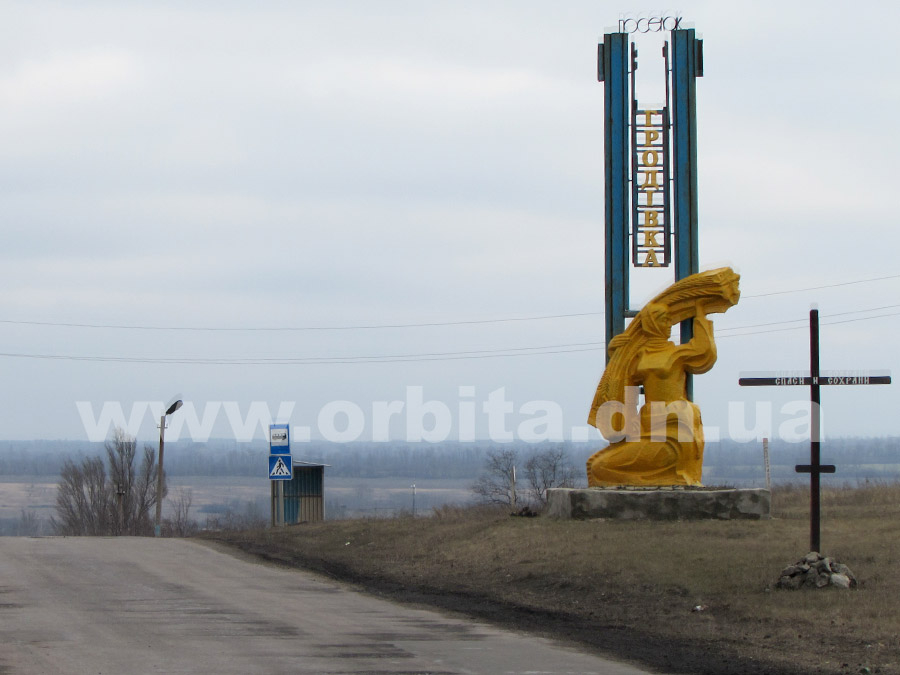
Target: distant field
point(39, 494)
point(28, 493)
point(344, 497)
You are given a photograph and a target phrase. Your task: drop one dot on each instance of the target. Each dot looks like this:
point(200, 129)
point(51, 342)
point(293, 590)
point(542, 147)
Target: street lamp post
point(159, 469)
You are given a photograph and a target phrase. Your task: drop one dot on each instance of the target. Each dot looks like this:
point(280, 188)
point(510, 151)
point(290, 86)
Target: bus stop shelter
point(304, 494)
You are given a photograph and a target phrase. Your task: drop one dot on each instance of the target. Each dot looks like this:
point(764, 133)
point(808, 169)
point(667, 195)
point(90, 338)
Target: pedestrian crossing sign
point(280, 467)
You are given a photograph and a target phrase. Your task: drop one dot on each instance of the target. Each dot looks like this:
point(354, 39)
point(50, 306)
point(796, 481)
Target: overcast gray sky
point(216, 165)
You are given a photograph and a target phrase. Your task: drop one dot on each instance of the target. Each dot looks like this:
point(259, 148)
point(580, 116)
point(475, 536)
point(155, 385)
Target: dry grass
point(647, 576)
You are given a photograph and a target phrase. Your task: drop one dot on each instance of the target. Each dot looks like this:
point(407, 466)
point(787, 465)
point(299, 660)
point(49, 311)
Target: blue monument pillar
point(650, 179)
point(612, 70)
point(687, 66)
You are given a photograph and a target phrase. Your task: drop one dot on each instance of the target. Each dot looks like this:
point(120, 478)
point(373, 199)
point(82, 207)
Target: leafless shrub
point(29, 524)
point(83, 502)
point(181, 525)
point(495, 484)
point(548, 469)
point(542, 470)
point(90, 502)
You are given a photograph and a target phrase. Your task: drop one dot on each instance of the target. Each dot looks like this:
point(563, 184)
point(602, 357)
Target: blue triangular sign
point(278, 468)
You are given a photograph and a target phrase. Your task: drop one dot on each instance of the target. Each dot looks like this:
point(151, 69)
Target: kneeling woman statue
point(663, 444)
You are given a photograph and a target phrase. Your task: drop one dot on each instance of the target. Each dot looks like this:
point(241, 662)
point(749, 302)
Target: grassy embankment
point(631, 588)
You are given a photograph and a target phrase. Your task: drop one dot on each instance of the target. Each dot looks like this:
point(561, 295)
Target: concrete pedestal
point(658, 503)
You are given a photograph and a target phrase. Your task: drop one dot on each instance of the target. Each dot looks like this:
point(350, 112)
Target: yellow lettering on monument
point(651, 180)
point(652, 260)
point(648, 116)
point(650, 238)
point(669, 450)
point(651, 219)
point(650, 194)
point(650, 158)
point(650, 135)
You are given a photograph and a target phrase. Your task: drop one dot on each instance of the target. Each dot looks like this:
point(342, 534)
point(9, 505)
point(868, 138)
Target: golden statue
point(663, 444)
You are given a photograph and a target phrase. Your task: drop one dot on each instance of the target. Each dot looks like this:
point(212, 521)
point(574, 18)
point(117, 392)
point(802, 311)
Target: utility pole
point(120, 496)
point(159, 475)
point(279, 503)
point(159, 469)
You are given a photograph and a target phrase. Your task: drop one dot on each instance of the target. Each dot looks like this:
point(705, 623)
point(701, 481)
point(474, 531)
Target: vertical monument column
point(687, 66)
point(612, 70)
point(639, 156)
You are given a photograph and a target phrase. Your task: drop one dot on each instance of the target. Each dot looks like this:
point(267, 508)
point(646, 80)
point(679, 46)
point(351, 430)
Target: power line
point(801, 327)
point(250, 329)
point(298, 328)
point(817, 288)
point(567, 348)
point(327, 360)
point(862, 318)
point(803, 320)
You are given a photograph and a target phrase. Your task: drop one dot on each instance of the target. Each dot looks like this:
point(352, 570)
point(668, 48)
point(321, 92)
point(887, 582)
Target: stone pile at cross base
point(816, 571)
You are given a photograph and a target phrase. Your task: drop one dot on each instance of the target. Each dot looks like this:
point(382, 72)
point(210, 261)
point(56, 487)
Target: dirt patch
point(602, 637)
point(676, 597)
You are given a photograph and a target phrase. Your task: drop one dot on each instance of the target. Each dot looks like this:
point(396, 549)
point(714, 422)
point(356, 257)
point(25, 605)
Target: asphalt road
point(130, 605)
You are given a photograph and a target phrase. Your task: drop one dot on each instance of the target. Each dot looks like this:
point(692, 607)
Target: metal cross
point(814, 380)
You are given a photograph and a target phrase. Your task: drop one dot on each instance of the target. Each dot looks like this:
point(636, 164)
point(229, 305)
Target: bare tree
point(145, 487)
point(90, 502)
point(83, 502)
point(548, 469)
point(29, 524)
point(495, 484)
point(542, 470)
point(181, 524)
